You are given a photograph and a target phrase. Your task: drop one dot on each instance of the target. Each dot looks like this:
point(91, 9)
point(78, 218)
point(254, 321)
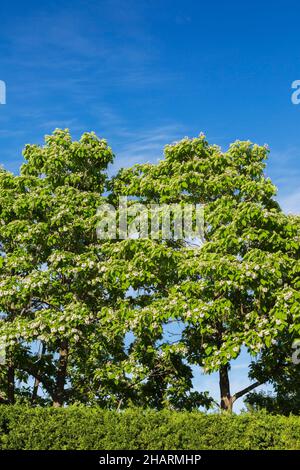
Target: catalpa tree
point(241, 288)
point(52, 280)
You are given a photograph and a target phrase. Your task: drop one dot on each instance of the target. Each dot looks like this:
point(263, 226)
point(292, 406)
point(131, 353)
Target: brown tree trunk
point(226, 398)
point(61, 375)
point(10, 378)
point(36, 380)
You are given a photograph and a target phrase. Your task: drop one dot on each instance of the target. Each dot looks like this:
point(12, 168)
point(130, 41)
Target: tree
point(232, 292)
point(52, 288)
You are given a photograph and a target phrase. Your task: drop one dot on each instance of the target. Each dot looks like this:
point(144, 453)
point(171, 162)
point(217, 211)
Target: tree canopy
point(87, 319)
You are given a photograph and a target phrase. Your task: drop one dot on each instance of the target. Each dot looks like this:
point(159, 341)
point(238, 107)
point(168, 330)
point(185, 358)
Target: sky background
point(145, 73)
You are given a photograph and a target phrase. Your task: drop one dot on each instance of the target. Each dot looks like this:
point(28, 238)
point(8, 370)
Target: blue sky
point(145, 73)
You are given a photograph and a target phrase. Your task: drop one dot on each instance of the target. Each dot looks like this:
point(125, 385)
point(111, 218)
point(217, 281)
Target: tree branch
point(34, 372)
point(245, 390)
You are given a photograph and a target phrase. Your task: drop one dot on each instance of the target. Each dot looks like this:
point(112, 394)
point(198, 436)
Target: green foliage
point(69, 301)
point(241, 289)
point(232, 292)
point(94, 429)
point(52, 283)
point(275, 365)
point(278, 403)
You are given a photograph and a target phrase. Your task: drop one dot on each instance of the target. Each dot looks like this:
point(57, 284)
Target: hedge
point(95, 429)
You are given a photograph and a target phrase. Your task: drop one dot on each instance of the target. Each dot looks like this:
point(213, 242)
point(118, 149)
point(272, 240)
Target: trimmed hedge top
point(83, 428)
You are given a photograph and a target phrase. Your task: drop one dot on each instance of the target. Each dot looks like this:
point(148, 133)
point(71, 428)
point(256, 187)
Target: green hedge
point(91, 428)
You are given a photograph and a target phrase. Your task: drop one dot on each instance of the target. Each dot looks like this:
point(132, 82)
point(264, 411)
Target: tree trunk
point(36, 380)
point(226, 398)
point(10, 378)
point(61, 375)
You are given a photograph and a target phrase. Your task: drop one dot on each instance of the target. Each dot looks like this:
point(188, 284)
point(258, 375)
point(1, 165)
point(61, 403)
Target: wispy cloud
point(69, 41)
point(291, 203)
point(283, 167)
point(145, 144)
